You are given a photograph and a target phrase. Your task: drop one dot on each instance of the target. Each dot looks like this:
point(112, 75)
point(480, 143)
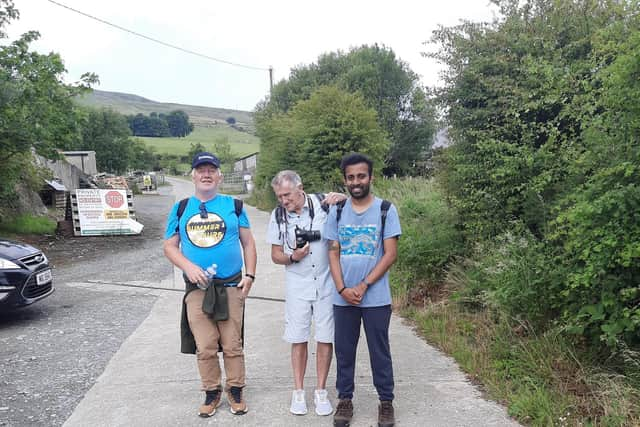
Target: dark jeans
point(347, 334)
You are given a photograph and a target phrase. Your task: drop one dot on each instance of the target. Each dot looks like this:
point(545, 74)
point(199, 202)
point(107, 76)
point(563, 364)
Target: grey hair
point(286, 175)
point(193, 172)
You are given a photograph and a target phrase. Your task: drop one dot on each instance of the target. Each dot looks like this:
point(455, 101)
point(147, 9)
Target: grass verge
point(28, 224)
point(544, 380)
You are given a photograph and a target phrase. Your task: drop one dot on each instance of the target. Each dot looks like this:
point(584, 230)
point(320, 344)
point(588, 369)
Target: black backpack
point(237, 203)
point(384, 209)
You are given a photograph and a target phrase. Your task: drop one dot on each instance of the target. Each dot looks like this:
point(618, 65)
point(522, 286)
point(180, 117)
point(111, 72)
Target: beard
point(360, 191)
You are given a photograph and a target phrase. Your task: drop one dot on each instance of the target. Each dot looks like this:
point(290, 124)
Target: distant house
point(83, 160)
point(246, 164)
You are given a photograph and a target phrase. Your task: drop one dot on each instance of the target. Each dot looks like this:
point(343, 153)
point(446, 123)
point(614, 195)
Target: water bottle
point(210, 272)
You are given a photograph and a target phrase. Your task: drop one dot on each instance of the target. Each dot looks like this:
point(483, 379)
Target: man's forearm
point(379, 269)
point(334, 265)
point(384, 264)
point(250, 254)
point(250, 259)
point(281, 258)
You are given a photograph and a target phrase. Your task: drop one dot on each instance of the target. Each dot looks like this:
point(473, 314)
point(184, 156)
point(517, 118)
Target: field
point(210, 124)
point(242, 143)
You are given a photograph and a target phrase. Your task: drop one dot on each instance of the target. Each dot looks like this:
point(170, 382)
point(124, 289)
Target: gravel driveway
point(52, 352)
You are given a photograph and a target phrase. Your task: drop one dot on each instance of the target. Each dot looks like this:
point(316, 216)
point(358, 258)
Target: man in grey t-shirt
point(360, 255)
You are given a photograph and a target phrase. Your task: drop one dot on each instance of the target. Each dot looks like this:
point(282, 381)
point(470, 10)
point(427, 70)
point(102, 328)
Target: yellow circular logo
point(206, 232)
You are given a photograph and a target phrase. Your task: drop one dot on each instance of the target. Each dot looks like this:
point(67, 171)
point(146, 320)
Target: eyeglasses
point(203, 211)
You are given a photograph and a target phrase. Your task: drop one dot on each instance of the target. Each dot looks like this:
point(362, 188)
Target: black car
point(25, 275)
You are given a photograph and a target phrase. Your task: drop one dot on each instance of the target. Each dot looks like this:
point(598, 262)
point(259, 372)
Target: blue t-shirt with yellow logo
point(211, 240)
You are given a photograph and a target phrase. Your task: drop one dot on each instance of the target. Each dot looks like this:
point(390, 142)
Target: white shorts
point(298, 315)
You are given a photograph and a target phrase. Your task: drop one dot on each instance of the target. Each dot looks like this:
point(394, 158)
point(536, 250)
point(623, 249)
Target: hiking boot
point(323, 406)
point(298, 403)
point(344, 413)
point(385, 414)
point(211, 402)
point(236, 402)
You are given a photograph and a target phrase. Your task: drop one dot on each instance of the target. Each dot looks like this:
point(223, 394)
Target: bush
point(599, 237)
point(429, 239)
point(28, 224)
point(511, 275)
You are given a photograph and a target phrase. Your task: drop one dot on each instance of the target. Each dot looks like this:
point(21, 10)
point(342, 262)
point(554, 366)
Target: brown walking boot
point(386, 417)
point(344, 413)
point(236, 402)
point(211, 402)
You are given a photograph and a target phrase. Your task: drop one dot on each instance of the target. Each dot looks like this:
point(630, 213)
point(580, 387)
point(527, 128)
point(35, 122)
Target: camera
point(304, 236)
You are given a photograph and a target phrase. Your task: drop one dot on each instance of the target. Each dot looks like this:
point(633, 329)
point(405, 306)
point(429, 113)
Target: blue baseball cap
point(205, 158)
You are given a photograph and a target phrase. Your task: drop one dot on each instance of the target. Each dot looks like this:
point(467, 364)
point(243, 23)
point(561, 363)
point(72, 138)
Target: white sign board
point(105, 212)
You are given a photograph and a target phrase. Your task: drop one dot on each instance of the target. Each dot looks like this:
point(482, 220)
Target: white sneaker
point(298, 404)
point(323, 406)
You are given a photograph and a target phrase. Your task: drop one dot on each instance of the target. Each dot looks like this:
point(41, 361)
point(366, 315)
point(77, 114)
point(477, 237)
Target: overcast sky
point(256, 33)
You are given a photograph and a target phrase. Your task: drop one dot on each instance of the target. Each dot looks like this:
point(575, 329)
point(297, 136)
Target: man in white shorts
point(295, 235)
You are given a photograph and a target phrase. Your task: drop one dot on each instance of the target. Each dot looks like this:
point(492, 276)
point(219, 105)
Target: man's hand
point(352, 295)
point(333, 198)
point(196, 275)
point(298, 254)
point(245, 284)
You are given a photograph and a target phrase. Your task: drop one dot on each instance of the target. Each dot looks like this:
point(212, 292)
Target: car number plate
point(44, 277)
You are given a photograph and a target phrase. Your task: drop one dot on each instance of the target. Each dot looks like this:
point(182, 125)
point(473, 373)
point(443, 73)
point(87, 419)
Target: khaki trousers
point(207, 332)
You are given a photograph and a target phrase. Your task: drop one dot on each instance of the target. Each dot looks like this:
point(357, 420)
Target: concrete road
point(149, 383)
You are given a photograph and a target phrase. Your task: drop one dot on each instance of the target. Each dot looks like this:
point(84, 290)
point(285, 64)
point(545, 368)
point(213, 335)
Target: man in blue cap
point(208, 237)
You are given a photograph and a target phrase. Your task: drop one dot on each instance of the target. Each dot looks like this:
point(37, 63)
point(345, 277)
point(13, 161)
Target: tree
point(36, 108)
point(143, 157)
point(107, 133)
point(314, 135)
point(386, 84)
point(195, 149)
point(543, 115)
point(174, 124)
point(178, 123)
point(516, 95)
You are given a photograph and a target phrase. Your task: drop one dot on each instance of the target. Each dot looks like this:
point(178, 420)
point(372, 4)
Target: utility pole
point(270, 79)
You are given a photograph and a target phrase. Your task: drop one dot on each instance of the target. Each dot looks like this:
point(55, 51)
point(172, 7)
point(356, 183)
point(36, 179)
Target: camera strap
point(281, 219)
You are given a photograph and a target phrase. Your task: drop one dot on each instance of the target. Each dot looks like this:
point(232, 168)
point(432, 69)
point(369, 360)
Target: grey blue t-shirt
point(361, 248)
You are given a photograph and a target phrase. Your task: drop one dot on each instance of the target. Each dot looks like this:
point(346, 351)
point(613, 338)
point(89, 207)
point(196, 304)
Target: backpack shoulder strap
point(280, 215)
point(237, 203)
point(384, 208)
point(281, 218)
point(320, 197)
point(339, 207)
point(181, 207)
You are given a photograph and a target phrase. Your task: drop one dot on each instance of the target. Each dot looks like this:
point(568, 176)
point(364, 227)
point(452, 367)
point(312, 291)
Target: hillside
point(133, 104)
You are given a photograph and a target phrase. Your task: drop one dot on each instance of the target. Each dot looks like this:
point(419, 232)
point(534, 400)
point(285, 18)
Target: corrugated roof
point(56, 185)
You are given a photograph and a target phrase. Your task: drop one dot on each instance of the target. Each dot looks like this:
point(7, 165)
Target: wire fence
point(234, 183)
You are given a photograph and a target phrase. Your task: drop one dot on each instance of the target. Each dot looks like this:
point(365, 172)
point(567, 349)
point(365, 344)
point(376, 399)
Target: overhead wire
point(189, 51)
